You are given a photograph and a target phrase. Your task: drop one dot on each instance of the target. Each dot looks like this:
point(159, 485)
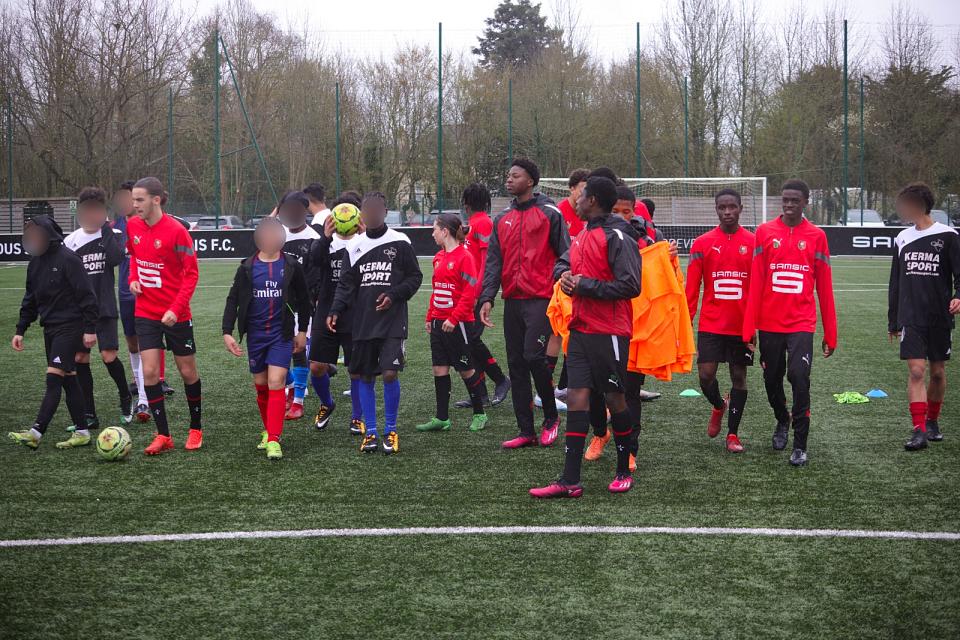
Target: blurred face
point(519, 181)
point(143, 203)
point(292, 214)
point(624, 209)
point(35, 240)
point(91, 215)
point(577, 189)
point(269, 237)
point(728, 210)
point(123, 202)
point(910, 211)
point(793, 202)
point(373, 212)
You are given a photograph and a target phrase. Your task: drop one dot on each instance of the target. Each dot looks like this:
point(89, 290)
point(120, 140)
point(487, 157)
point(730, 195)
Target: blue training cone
point(876, 393)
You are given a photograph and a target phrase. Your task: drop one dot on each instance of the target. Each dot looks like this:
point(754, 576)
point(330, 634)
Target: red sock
point(262, 402)
point(276, 408)
point(163, 366)
point(918, 413)
point(933, 410)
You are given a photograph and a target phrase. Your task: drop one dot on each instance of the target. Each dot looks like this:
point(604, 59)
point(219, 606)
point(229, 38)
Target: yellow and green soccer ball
point(114, 443)
point(346, 218)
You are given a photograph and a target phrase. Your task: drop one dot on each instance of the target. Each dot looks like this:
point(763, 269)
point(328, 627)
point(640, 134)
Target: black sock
point(712, 393)
point(76, 404)
point(158, 407)
point(622, 432)
point(552, 364)
point(487, 363)
point(192, 391)
point(477, 390)
point(562, 382)
point(494, 371)
point(442, 386)
point(598, 414)
point(577, 424)
point(543, 381)
point(50, 402)
point(115, 369)
point(85, 380)
point(738, 400)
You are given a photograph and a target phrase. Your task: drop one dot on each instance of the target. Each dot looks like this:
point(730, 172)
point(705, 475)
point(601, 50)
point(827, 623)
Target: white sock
point(36, 434)
point(82, 432)
point(137, 367)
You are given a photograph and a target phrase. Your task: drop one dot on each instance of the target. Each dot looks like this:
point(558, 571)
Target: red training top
point(163, 262)
point(723, 262)
point(454, 286)
point(477, 240)
point(574, 223)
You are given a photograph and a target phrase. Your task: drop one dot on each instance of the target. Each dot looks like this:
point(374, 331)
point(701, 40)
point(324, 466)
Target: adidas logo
point(397, 362)
point(57, 360)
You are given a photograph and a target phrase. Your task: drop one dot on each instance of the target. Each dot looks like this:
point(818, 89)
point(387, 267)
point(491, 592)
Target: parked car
point(864, 218)
point(941, 216)
point(192, 220)
point(254, 221)
point(208, 223)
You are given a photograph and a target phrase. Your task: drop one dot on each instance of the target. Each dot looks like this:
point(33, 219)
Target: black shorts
point(597, 361)
point(107, 339)
point(127, 309)
point(526, 328)
point(325, 347)
point(926, 343)
point(450, 349)
point(153, 334)
point(717, 347)
point(373, 357)
point(61, 345)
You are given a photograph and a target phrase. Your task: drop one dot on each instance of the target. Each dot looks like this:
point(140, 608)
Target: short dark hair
point(603, 190)
point(918, 193)
point(578, 176)
point(126, 185)
point(92, 194)
point(294, 196)
point(374, 195)
point(315, 191)
point(796, 184)
point(477, 197)
point(626, 193)
point(608, 173)
point(649, 204)
point(529, 166)
point(349, 196)
point(153, 186)
point(727, 192)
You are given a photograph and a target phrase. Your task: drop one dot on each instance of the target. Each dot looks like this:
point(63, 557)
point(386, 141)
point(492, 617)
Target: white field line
point(763, 532)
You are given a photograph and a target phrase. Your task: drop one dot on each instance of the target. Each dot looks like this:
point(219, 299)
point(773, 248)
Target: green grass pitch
point(532, 586)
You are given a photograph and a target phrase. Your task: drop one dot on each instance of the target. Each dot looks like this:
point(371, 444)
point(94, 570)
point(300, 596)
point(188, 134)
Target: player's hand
point(89, 339)
point(332, 323)
point(955, 306)
point(751, 344)
point(674, 249)
point(427, 325)
point(448, 326)
point(17, 343)
point(169, 318)
point(893, 335)
point(384, 302)
point(827, 349)
point(329, 226)
point(135, 288)
point(361, 228)
point(231, 344)
point(569, 282)
point(300, 342)
point(485, 309)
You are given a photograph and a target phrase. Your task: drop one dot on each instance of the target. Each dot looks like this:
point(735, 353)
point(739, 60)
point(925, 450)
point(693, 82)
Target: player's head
point(148, 197)
point(476, 198)
point(293, 209)
point(373, 210)
point(606, 172)
point(446, 226)
point(597, 198)
point(91, 208)
point(729, 206)
point(350, 196)
point(625, 207)
point(576, 182)
point(270, 235)
point(794, 195)
point(522, 177)
point(914, 202)
point(316, 194)
point(123, 199)
point(650, 205)
point(39, 233)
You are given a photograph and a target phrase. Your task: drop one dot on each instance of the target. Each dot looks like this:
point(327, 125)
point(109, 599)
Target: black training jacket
point(296, 298)
point(329, 257)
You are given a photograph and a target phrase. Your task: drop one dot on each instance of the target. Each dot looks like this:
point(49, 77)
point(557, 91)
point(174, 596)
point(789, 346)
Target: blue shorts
point(265, 350)
point(127, 308)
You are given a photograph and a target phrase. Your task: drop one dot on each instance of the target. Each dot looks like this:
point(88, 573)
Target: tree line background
point(88, 84)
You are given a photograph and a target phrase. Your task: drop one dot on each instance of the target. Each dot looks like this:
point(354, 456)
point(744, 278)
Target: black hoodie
point(58, 290)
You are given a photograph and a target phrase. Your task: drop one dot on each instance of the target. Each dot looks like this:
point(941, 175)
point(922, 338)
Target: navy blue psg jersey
point(100, 254)
point(924, 277)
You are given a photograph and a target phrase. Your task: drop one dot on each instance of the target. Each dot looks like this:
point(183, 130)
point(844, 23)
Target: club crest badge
point(156, 243)
point(390, 252)
point(743, 249)
point(450, 265)
point(802, 245)
point(937, 245)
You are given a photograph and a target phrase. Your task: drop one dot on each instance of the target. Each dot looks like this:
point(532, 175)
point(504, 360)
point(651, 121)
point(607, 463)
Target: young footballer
point(100, 250)
point(317, 205)
point(568, 206)
point(268, 297)
point(601, 272)
point(59, 293)
point(451, 309)
point(924, 297)
point(163, 277)
point(790, 260)
point(721, 260)
point(526, 241)
point(382, 276)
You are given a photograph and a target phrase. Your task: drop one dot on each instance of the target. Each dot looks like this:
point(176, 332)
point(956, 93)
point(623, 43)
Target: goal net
point(684, 207)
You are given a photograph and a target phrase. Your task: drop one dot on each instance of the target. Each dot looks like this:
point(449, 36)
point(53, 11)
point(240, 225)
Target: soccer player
point(329, 255)
point(316, 194)
point(100, 250)
point(163, 276)
point(568, 206)
point(601, 272)
point(59, 293)
point(650, 205)
point(267, 288)
point(526, 241)
point(476, 203)
point(451, 309)
point(790, 260)
point(924, 297)
point(721, 259)
point(382, 276)
point(292, 211)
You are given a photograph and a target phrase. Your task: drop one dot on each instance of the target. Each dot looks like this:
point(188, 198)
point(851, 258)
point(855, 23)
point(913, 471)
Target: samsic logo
point(872, 242)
